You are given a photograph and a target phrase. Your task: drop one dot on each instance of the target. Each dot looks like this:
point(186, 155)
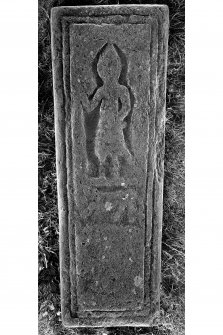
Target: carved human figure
point(114, 102)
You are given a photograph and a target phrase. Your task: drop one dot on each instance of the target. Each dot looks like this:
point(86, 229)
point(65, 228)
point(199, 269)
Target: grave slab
point(109, 76)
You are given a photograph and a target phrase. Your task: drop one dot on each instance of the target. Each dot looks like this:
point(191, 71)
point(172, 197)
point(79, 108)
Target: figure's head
point(109, 65)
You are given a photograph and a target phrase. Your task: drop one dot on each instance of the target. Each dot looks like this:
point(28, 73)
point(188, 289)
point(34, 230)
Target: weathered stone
point(109, 69)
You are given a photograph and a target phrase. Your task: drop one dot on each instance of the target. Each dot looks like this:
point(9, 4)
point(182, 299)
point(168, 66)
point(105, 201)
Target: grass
point(172, 290)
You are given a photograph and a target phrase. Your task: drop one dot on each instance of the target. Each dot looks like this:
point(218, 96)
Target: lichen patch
point(108, 206)
point(138, 281)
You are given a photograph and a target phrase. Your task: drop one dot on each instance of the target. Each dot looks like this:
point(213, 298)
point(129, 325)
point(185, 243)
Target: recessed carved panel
point(109, 84)
point(112, 192)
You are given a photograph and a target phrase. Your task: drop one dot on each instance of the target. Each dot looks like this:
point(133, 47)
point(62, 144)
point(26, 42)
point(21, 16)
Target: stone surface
point(109, 70)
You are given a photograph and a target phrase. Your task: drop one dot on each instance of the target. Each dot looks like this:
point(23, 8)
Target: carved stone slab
point(109, 69)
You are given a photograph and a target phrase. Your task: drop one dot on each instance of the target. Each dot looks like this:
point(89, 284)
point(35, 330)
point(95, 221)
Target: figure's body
point(109, 140)
point(114, 102)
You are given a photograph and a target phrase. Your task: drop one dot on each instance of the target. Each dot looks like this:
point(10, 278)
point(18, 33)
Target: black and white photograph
point(111, 172)
point(111, 167)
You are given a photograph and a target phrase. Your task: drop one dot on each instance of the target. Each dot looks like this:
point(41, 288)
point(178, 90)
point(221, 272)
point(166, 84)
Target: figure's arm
point(89, 106)
point(125, 100)
point(96, 99)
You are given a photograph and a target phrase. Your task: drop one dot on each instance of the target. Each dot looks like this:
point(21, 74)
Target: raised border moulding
point(109, 76)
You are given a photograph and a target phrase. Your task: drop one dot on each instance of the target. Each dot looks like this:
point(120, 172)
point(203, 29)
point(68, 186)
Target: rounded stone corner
point(66, 320)
point(55, 12)
point(165, 10)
